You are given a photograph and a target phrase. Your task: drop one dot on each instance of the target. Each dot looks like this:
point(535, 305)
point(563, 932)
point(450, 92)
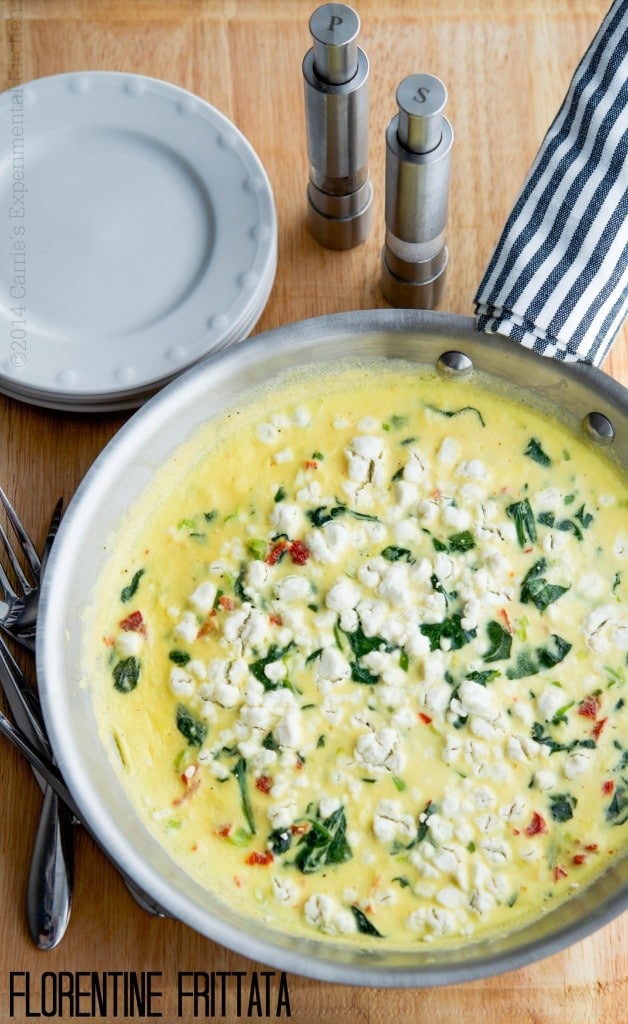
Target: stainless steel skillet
point(119, 475)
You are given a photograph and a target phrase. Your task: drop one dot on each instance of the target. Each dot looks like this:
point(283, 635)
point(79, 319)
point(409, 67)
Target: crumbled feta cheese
point(281, 815)
point(577, 763)
point(379, 750)
point(187, 627)
point(202, 600)
point(389, 822)
point(473, 468)
point(448, 451)
point(181, 682)
point(267, 433)
point(549, 701)
point(129, 644)
point(287, 518)
point(284, 890)
point(343, 594)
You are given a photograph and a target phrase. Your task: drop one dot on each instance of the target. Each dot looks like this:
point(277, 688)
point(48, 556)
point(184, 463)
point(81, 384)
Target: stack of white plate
point(142, 237)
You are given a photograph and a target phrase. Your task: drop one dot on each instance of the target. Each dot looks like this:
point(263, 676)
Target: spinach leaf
point(324, 843)
point(617, 810)
point(546, 518)
point(530, 661)
point(456, 543)
point(179, 657)
point(402, 880)
point(238, 586)
point(562, 806)
point(126, 675)
point(270, 743)
point(535, 451)
point(439, 588)
point(192, 728)
point(363, 924)
point(553, 745)
point(396, 422)
point(449, 629)
point(280, 840)
point(482, 678)
point(360, 674)
point(422, 830)
point(456, 412)
point(395, 554)
point(584, 518)
point(129, 591)
point(275, 653)
point(462, 541)
point(361, 644)
point(536, 590)
point(500, 641)
point(521, 512)
point(568, 526)
point(324, 514)
point(239, 770)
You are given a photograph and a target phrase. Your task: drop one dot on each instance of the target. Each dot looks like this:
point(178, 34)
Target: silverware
point(38, 762)
point(18, 611)
point(49, 890)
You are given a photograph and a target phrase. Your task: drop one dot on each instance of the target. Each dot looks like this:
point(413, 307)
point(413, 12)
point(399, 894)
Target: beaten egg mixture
point(360, 658)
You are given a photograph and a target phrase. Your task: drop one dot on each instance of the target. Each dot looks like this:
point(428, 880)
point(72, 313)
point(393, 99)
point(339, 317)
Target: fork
point(49, 892)
point(18, 612)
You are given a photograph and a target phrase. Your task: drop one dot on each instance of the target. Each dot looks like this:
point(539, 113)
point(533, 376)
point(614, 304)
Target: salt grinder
point(335, 79)
point(418, 151)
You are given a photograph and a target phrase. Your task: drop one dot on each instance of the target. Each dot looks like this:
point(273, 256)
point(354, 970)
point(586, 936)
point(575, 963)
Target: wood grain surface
point(507, 64)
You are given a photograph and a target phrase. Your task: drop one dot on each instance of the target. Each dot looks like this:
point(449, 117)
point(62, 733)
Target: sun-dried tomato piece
point(589, 707)
point(134, 623)
point(299, 552)
point(597, 728)
point(536, 826)
point(276, 552)
point(262, 858)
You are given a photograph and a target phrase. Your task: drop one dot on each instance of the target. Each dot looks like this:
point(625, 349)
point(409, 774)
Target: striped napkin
point(557, 281)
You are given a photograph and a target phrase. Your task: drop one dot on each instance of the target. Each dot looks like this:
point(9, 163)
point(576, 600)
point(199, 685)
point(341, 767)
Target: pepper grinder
point(335, 78)
point(418, 152)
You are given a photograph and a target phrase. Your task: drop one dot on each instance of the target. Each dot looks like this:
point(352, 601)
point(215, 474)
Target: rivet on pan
point(454, 363)
point(599, 428)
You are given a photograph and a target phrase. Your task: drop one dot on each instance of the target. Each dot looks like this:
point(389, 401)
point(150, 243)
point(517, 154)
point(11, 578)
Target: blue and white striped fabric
point(558, 279)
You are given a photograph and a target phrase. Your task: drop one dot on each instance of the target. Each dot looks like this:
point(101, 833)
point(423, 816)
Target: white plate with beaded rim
point(142, 236)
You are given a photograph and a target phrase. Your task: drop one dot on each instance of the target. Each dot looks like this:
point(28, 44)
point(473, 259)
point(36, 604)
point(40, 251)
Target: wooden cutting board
point(507, 64)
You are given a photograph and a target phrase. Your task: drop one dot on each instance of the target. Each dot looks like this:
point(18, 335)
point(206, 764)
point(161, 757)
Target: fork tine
point(25, 542)
point(4, 579)
point(53, 528)
point(17, 568)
